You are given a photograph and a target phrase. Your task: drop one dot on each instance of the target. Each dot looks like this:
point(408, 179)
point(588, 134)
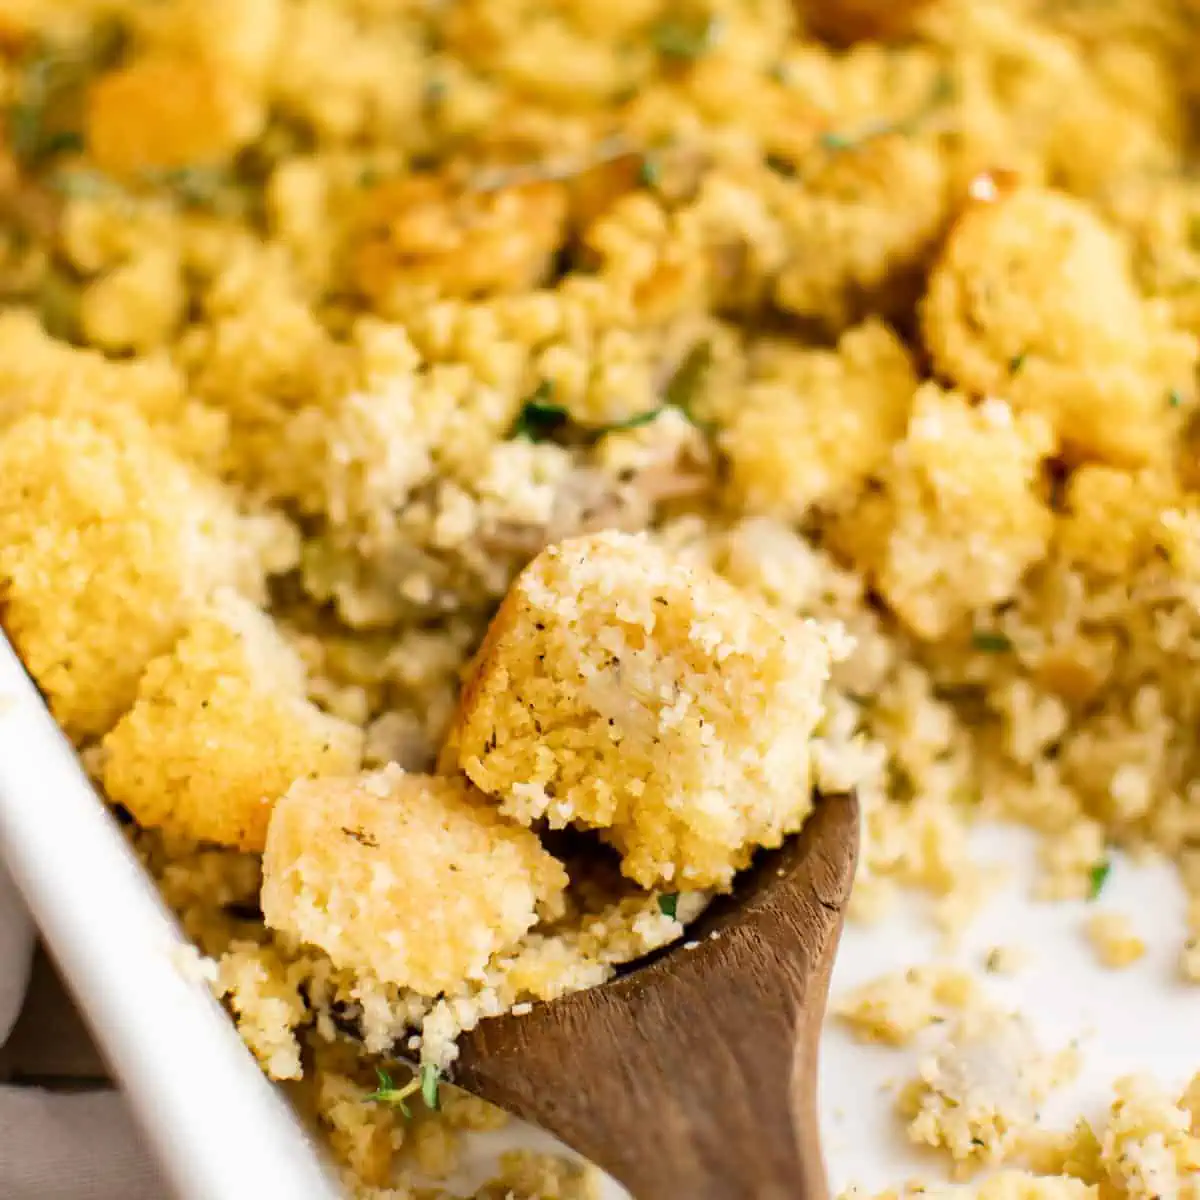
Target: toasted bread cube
point(220, 730)
point(414, 879)
point(167, 112)
point(960, 516)
point(1033, 299)
point(815, 428)
point(108, 544)
point(620, 690)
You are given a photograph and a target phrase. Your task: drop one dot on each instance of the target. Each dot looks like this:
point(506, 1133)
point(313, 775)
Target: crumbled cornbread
point(895, 1007)
point(622, 690)
point(414, 879)
point(1034, 299)
point(220, 729)
point(980, 1091)
point(883, 311)
point(841, 410)
point(102, 564)
point(1006, 1185)
point(952, 531)
point(1114, 940)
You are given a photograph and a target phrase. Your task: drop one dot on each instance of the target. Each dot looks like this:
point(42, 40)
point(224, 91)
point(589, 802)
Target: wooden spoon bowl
point(693, 1076)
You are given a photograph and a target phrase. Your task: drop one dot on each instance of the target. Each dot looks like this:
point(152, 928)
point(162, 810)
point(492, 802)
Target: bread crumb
point(894, 1008)
point(1114, 940)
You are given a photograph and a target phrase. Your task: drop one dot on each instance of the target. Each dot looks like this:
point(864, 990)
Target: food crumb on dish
point(1114, 939)
point(981, 1089)
point(894, 1008)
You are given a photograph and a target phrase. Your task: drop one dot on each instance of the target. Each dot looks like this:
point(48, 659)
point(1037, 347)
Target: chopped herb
point(1016, 363)
point(832, 140)
point(1175, 398)
point(430, 1077)
point(650, 172)
point(781, 166)
point(634, 422)
point(1098, 877)
point(1194, 231)
point(369, 176)
point(539, 419)
point(991, 642)
point(668, 904)
point(58, 304)
point(196, 187)
point(388, 1093)
point(33, 126)
point(681, 391)
point(435, 91)
point(943, 91)
point(675, 37)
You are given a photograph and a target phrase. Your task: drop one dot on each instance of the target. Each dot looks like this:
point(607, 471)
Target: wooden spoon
point(693, 1077)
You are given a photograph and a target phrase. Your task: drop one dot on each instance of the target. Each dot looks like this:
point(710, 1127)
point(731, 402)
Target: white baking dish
point(218, 1128)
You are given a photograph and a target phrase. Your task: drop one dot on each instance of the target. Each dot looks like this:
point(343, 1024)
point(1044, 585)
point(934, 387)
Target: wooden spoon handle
point(694, 1078)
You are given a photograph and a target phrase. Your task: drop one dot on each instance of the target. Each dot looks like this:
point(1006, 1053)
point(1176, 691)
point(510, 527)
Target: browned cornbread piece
point(108, 544)
point(620, 689)
point(220, 730)
point(412, 879)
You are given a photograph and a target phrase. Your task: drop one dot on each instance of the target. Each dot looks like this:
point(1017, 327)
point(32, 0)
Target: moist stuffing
point(426, 426)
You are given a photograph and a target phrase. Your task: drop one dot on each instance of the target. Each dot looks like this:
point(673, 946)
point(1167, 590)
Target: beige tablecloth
point(64, 1133)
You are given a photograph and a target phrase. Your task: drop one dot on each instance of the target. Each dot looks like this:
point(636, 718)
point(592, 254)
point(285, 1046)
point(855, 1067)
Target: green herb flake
point(539, 418)
point(668, 904)
point(635, 422)
point(1175, 398)
point(832, 140)
point(679, 38)
point(1194, 231)
point(1016, 363)
point(34, 119)
point(1098, 877)
point(194, 187)
point(388, 1093)
point(650, 171)
point(681, 391)
point(991, 642)
point(430, 1078)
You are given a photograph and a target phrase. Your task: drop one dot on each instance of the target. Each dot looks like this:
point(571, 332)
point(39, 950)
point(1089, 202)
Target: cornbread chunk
point(894, 1008)
point(960, 516)
point(39, 374)
point(220, 730)
point(108, 544)
point(427, 230)
point(413, 879)
point(819, 423)
point(979, 1092)
point(1034, 299)
point(1148, 1148)
point(165, 113)
point(862, 230)
point(621, 690)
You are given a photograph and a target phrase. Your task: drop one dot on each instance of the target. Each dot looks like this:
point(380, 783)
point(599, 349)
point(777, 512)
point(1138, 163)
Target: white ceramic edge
point(219, 1130)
